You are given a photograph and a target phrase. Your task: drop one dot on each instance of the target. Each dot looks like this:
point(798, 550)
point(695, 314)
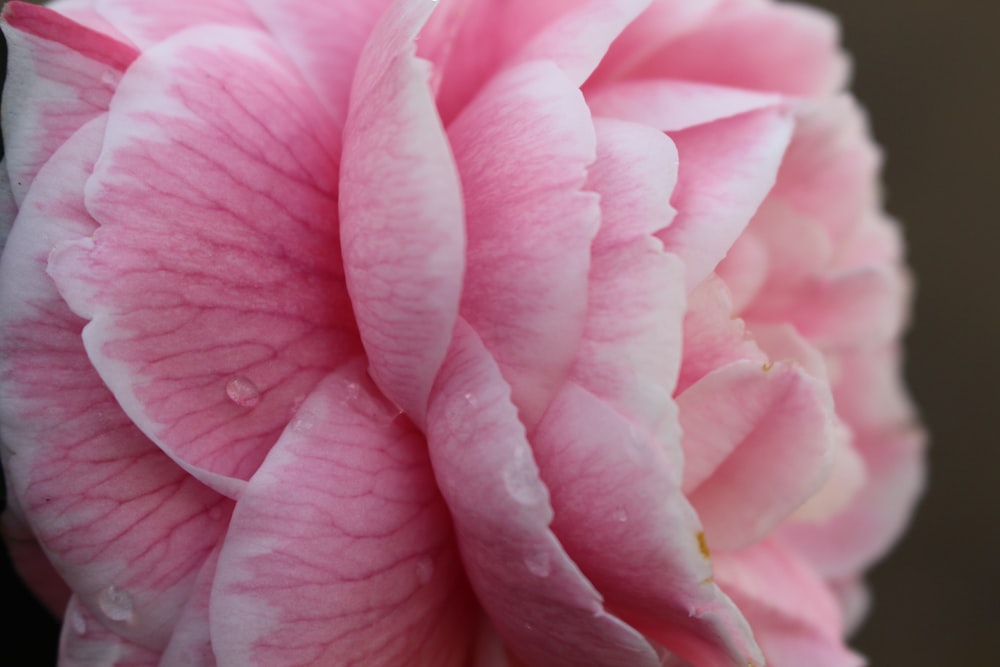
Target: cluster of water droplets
point(116, 604)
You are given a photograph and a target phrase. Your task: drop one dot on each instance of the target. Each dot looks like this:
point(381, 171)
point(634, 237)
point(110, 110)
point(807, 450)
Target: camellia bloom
point(461, 333)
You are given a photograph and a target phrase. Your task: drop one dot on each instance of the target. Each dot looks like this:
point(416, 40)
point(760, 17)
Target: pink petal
point(59, 76)
point(761, 46)
point(124, 526)
point(727, 168)
point(401, 211)
point(622, 517)
point(85, 642)
point(148, 23)
point(304, 32)
point(340, 550)
point(8, 207)
point(794, 615)
point(191, 643)
point(213, 285)
point(738, 422)
point(522, 148)
point(29, 560)
point(541, 605)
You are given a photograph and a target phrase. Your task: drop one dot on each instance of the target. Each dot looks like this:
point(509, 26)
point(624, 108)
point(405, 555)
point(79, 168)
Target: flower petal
point(522, 148)
point(59, 76)
point(402, 216)
point(213, 285)
point(624, 521)
point(148, 23)
point(541, 605)
point(738, 422)
point(84, 642)
point(340, 550)
point(83, 475)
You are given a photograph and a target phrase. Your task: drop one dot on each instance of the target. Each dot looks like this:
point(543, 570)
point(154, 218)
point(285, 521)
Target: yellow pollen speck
point(703, 545)
point(707, 580)
point(768, 366)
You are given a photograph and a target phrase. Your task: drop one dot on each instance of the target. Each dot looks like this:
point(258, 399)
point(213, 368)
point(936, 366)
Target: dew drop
point(471, 400)
point(520, 477)
point(116, 604)
point(538, 563)
point(77, 622)
point(620, 515)
point(242, 392)
point(425, 570)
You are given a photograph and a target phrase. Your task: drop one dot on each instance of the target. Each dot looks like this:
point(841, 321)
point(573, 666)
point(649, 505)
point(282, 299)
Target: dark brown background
point(929, 72)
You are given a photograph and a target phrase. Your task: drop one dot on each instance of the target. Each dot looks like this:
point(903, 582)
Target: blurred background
point(929, 73)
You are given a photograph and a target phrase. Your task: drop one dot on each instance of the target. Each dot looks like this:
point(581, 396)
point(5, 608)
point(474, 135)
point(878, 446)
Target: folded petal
point(402, 216)
point(340, 550)
point(522, 149)
point(59, 76)
point(543, 608)
point(84, 477)
point(757, 444)
point(213, 285)
point(621, 515)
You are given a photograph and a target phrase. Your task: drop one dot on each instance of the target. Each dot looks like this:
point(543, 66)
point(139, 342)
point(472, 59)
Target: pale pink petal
point(727, 168)
point(795, 616)
point(402, 215)
point(855, 600)
point(8, 207)
point(124, 526)
point(661, 22)
point(147, 23)
point(305, 31)
point(340, 550)
point(713, 336)
point(630, 352)
point(744, 270)
point(761, 45)
point(739, 422)
point(522, 148)
point(674, 105)
point(29, 560)
point(541, 605)
point(191, 643)
point(621, 515)
point(213, 284)
point(86, 642)
point(59, 76)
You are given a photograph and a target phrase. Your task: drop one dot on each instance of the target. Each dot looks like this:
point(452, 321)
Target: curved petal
point(738, 421)
point(191, 643)
point(727, 168)
point(402, 216)
point(28, 558)
point(522, 148)
point(541, 605)
point(120, 522)
point(59, 76)
point(213, 285)
point(794, 614)
point(762, 46)
point(340, 550)
point(623, 519)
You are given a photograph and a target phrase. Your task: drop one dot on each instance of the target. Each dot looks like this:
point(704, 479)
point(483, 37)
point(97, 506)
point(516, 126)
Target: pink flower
point(418, 333)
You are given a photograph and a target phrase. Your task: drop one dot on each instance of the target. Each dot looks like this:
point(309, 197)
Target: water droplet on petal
point(242, 392)
point(77, 622)
point(304, 423)
point(538, 563)
point(116, 604)
point(620, 515)
point(425, 570)
point(520, 477)
point(471, 400)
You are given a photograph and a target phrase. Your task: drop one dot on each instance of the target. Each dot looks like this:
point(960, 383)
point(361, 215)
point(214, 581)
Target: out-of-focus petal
point(522, 148)
point(541, 605)
point(59, 76)
point(213, 285)
point(147, 23)
point(402, 223)
point(82, 474)
point(340, 550)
